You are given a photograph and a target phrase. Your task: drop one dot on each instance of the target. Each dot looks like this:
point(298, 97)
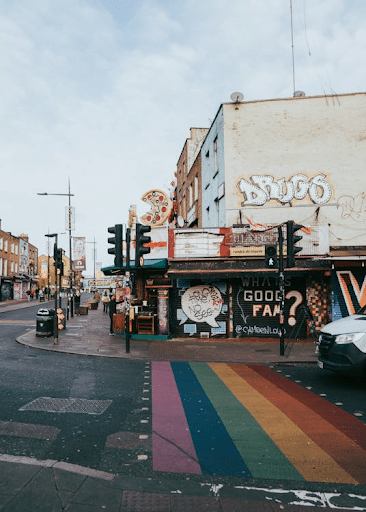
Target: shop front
point(245, 302)
point(145, 294)
point(6, 289)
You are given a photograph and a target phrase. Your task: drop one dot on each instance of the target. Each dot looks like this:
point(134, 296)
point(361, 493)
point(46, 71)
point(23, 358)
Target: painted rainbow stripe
point(248, 421)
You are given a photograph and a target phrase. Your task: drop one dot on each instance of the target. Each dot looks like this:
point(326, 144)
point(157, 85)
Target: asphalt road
point(346, 393)
point(101, 413)
point(82, 436)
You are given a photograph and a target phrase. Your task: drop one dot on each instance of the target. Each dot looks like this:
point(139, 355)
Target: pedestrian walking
point(105, 301)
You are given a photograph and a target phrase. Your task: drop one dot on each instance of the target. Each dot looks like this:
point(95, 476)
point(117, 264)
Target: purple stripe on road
point(173, 449)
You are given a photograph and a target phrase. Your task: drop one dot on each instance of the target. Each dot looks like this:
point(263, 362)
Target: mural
point(160, 207)
point(263, 188)
point(349, 292)
point(201, 306)
point(256, 305)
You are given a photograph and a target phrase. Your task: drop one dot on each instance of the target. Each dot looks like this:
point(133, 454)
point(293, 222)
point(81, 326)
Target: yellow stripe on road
point(18, 322)
point(307, 457)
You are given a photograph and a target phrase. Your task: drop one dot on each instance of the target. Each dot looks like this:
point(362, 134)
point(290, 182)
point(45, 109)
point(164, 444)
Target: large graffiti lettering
point(263, 188)
point(202, 303)
point(257, 307)
point(350, 291)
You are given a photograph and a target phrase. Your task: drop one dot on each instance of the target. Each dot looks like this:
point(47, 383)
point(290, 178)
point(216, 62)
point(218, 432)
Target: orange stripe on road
point(313, 463)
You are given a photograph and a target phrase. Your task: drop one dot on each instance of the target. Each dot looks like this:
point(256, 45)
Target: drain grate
point(69, 405)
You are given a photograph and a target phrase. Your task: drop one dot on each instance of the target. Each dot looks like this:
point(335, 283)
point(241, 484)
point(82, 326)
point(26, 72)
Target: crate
point(145, 325)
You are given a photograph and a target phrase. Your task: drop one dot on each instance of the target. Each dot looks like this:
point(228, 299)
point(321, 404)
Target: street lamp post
point(71, 303)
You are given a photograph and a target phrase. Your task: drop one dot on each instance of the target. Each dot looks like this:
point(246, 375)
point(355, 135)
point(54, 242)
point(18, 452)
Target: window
point(216, 161)
point(16, 268)
point(5, 272)
point(16, 249)
point(12, 248)
point(12, 266)
point(1, 244)
point(196, 188)
point(207, 173)
point(1, 266)
point(6, 246)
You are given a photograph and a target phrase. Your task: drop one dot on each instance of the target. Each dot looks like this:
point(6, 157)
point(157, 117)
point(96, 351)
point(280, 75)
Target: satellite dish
point(299, 94)
point(237, 97)
point(180, 221)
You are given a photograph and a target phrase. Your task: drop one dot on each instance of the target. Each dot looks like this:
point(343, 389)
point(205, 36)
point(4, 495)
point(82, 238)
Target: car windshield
point(362, 311)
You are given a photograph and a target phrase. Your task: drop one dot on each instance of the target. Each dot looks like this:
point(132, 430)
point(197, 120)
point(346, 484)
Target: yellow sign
point(247, 251)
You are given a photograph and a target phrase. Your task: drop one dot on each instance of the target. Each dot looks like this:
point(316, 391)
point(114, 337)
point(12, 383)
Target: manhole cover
point(70, 405)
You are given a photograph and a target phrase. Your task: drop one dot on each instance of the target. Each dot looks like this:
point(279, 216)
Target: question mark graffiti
point(298, 300)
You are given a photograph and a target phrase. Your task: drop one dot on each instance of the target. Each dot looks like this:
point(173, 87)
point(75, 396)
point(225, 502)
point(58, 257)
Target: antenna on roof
point(293, 50)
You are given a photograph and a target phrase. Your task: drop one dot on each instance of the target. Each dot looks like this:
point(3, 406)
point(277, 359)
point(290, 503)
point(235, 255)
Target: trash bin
point(45, 322)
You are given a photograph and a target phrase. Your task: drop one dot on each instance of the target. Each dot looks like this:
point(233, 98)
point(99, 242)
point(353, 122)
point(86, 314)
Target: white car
point(342, 345)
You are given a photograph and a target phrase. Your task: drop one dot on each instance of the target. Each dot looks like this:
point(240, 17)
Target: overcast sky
point(104, 92)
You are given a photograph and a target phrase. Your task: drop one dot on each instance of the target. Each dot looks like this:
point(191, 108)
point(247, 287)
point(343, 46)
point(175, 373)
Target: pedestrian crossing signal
point(271, 256)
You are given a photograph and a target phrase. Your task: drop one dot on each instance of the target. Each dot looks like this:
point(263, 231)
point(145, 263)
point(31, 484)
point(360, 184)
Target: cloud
point(105, 92)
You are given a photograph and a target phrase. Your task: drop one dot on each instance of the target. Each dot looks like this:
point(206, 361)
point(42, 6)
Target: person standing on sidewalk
point(77, 299)
point(112, 310)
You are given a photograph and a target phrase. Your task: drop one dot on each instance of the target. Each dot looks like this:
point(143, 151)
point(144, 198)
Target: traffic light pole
point(128, 274)
point(55, 323)
point(281, 282)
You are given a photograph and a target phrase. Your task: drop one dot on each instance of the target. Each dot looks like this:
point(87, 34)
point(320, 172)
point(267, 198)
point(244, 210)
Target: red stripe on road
point(173, 448)
point(329, 436)
point(352, 427)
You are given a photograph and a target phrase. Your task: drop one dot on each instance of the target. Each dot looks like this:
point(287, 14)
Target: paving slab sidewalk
point(89, 335)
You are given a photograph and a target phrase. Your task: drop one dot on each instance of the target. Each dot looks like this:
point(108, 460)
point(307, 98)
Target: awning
point(153, 263)
point(231, 269)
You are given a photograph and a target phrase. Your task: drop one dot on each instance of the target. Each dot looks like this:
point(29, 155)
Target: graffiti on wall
point(353, 207)
point(257, 306)
point(202, 303)
point(200, 308)
point(262, 188)
point(349, 292)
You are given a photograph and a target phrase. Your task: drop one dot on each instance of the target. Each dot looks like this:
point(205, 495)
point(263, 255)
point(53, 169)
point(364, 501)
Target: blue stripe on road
point(215, 449)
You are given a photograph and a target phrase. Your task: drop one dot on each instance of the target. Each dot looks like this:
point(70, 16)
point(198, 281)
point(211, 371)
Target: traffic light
point(57, 256)
point(141, 239)
point(270, 256)
point(117, 242)
point(292, 238)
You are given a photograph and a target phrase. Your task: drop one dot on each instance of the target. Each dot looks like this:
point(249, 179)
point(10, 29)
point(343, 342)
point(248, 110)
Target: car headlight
point(352, 337)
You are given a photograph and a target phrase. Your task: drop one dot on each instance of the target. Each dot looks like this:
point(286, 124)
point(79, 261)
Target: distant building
point(18, 266)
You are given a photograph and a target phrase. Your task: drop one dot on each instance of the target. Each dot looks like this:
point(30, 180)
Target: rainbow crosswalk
point(249, 421)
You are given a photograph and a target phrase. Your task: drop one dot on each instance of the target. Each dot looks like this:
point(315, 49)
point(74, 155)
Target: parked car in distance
point(342, 345)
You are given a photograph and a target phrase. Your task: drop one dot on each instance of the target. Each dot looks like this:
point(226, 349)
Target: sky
point(103, 93)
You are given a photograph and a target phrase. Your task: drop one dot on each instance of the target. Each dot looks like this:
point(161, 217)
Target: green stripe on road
point(261, 455)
